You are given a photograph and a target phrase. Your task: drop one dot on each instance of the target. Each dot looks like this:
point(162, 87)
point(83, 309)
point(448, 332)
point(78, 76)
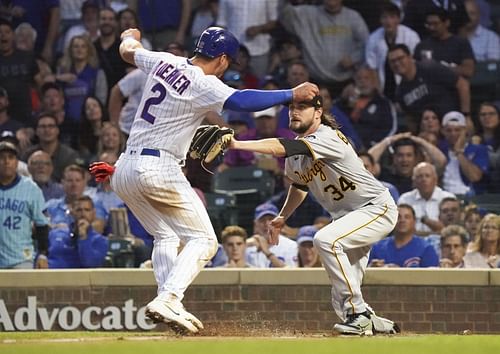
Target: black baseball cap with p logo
point(316, 102)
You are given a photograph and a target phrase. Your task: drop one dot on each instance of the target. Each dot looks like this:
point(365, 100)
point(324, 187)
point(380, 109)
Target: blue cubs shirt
point(21, 205)
point(416, 253)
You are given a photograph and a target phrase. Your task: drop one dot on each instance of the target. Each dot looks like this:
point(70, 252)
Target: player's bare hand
point(232, 143)
point(131, 32)
point(305, 92)
point(274, 229)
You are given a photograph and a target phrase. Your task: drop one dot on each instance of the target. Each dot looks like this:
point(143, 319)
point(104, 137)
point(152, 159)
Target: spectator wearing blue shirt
point(73, 183)
point(404, 249)
point(467, 163)
point(41, 168)
point(21, 208)
point(77, 245)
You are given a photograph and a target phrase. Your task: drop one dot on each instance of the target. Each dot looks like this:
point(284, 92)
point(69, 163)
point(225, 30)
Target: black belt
point(150, 152)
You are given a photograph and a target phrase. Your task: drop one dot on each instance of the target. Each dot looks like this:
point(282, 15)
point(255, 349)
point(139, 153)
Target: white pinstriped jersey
point(176, 97)
point(335, 175)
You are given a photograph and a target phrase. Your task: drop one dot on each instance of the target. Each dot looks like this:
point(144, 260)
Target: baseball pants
point(344, 246)
point(152, 184)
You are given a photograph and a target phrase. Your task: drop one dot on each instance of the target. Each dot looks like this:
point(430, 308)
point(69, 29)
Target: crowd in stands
point(413, 84)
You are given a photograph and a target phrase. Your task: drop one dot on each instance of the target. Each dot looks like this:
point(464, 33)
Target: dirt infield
point(159, 342)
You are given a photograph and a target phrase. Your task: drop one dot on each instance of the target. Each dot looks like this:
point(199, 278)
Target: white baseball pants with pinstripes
point(160, 196)
point(344, 246)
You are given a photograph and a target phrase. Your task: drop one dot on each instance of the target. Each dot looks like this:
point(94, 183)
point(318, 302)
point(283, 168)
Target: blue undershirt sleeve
point(256, 100)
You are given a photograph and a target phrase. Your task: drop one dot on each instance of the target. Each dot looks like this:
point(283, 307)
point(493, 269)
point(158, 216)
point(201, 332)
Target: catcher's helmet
point(215, 41)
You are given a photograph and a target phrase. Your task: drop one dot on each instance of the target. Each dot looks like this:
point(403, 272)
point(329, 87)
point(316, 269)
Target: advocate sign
point(68, 318)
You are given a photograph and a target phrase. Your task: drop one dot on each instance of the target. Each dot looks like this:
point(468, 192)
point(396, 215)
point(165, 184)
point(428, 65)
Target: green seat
point(250, 186)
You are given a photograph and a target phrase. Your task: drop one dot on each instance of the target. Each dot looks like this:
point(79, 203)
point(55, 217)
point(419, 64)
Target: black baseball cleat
point(359, 324)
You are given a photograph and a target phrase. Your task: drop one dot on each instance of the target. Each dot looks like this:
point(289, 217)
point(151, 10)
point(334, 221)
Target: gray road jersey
point(335, 175)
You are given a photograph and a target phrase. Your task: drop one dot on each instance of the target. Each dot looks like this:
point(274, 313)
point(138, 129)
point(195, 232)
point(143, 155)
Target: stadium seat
point(222, 210)
point(487, 201)
point(485, 84)
point(250, 186)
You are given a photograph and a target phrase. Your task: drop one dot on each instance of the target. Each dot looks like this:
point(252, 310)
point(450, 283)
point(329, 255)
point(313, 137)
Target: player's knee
point(212, 247)
point(320, 240)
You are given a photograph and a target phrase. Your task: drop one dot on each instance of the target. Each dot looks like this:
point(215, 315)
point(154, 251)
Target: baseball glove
point(209, 141)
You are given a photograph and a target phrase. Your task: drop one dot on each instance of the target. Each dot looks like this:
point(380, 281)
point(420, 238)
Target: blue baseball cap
point(306, 233)
point(265, 209)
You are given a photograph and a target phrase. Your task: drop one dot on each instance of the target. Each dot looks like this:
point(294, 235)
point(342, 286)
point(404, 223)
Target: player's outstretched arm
point(294, 198)
point(130, 43)
point(271, 146)
point(256, 100)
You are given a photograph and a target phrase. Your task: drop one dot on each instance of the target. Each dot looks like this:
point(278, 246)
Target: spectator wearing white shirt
point(89, 23)
point(129, 88)
point(392, 32)
point(485, 43)
point(425, 199)
point(251, 21)
point(259, 253)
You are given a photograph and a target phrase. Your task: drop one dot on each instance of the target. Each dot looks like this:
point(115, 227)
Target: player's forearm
point(257, 100)
point(270, 146)
point(293, 200)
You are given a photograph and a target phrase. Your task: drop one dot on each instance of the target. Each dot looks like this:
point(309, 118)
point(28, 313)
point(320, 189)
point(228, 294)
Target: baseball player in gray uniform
point(321, 160)
point(178, 93)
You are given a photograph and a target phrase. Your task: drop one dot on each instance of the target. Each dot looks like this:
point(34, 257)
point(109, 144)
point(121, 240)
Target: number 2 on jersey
point(153, 101)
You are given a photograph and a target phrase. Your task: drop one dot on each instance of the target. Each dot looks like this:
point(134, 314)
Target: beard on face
point(299, 127)
point(107, 29)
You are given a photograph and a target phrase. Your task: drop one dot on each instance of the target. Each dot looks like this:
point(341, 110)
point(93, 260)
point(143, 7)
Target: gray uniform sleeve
point(327, 143)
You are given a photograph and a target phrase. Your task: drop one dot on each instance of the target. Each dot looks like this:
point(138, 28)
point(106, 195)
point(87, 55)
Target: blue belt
point(150, 152)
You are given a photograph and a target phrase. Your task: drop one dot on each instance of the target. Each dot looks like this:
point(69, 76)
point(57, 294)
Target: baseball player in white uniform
point(322, 161)
point(177, 95)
